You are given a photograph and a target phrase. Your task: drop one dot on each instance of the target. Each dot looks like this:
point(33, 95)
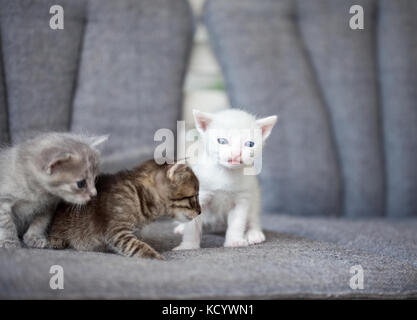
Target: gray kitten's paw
point(35, 241)
point(10, 244)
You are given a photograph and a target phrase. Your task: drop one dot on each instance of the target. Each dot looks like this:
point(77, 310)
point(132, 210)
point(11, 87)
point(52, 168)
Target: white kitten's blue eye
point(222, 141)
point(249, 144)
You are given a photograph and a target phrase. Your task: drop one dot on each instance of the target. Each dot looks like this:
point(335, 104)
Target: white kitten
point(231, 141)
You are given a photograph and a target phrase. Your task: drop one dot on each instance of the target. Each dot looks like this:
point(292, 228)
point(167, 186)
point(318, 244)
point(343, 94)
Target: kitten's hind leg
point(125, 243)
point(8, 232)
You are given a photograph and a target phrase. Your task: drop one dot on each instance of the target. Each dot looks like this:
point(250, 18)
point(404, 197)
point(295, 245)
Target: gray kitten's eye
point(81, 184)
point(249, 144)
point(222, 141)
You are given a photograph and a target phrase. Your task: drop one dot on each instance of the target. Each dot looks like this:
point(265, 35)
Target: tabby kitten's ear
point(53, 157)
point(173, 168)
point(202, 120)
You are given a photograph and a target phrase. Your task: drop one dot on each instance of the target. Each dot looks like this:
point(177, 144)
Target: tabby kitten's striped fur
point(125, 202)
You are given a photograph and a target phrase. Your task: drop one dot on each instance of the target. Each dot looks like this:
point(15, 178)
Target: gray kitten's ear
point(53, 158)
point(266, 125)
point(202, 120)
point(175, 168)
point(97, 140)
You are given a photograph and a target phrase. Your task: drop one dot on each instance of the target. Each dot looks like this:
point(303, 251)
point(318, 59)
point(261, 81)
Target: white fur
point(229, 198)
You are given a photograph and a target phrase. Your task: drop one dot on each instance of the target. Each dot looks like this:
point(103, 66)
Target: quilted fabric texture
point(346, 140)
point(117, 67)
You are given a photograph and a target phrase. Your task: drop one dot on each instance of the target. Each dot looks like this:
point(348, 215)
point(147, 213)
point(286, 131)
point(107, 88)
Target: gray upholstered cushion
point(131, 75)
point(302, 257)
point(40, 64)
point(117, 68)
point(4, 130)
point(346, 140)
point(398, 77)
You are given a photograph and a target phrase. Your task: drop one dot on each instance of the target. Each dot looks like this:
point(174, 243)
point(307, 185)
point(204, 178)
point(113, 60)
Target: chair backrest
point(346, 140)
point(117, 67)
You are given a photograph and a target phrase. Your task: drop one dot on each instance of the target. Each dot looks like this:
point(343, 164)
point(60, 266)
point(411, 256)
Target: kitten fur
point(127, 201)
point(35, 175)
point(229, 198)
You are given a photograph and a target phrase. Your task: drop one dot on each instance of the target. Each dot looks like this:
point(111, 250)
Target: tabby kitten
point(35, 175)
point(127, 201)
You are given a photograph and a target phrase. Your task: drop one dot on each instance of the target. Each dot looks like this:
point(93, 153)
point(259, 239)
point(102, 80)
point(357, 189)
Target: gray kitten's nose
point(93, 192)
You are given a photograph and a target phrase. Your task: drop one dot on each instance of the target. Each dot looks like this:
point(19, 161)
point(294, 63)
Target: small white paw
point(10, 244)
point(255, 236)
point(35, 241)
point(236, 242)
point(187, 246)
point(179, 229)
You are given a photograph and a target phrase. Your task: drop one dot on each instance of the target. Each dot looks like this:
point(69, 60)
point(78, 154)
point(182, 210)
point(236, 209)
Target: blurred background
point(204, 86)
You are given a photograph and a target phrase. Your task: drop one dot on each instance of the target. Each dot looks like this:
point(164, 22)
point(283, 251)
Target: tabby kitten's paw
point(158, 257)
point(255, 236)
point(236, 242)
point(149, 253)
point(35, 241)
point(10, 244)
point(56, 243)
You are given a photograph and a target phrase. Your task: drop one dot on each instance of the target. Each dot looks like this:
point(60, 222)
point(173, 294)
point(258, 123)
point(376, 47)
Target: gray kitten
point(35, 175)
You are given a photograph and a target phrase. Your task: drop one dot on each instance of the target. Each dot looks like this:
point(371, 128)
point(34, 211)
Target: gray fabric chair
point(346, 140)
point(344, 146)
point(117, 67)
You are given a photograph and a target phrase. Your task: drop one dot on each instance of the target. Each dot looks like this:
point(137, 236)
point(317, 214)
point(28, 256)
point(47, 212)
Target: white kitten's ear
point(174, 168)
point(266, 125)
point(95, 141)
point(55, 160)
point(202, 120)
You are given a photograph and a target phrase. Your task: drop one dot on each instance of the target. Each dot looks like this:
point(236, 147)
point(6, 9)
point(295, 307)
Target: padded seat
point(302, 258)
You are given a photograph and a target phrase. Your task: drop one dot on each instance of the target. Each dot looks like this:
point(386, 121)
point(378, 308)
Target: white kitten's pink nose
point(236, 157)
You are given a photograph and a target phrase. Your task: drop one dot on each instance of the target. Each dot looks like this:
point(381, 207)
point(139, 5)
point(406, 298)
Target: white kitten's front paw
point(187, 246)
point(255, 236)
point(10, 244)
point(236, 242)
point(179, 229)
point(35, 241)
